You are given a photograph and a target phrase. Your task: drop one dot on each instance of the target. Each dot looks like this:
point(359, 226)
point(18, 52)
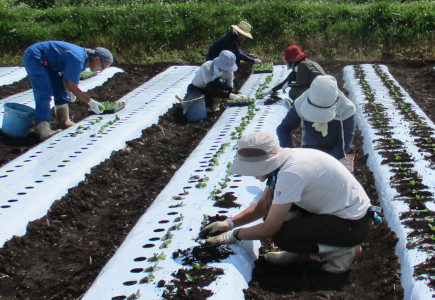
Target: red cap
point(293, 53)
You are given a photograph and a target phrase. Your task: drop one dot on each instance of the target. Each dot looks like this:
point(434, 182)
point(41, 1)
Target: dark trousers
point(302, 234)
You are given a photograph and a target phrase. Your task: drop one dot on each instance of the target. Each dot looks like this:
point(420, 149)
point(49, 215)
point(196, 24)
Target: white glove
point(267, 92)
point(285, 86)
point(235, 96)
point(95, 106)
point(215, 228)
point(242, 96)
point(221, 239)
point(72, 97)
point(257, 61)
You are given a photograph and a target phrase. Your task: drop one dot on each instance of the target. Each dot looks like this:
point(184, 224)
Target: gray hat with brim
point(321, 102)
point(104, 54)
point(258, 154)
point(226, 61)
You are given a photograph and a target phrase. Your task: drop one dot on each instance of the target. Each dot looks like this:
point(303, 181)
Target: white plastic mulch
point(393, 208)
point(9, 75)
point(122, 275)
point(33, 181)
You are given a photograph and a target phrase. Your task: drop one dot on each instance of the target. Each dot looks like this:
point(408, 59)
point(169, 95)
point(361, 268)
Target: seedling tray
point(109, 111)
point(244, 102)
point(86, 75)
point(262, 68)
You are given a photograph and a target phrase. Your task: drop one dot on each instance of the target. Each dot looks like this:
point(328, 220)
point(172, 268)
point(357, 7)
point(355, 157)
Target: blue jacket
point(228, 42)
point(59, 56)
point(332, 143)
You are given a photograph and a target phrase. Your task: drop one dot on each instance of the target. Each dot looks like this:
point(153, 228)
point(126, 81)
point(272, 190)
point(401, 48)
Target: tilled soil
point(63, 252)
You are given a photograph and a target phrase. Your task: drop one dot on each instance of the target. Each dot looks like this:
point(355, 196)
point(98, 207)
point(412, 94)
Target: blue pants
point(45, 84)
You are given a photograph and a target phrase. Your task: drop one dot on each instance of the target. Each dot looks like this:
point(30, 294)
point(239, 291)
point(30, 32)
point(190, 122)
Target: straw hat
point(243, 28)
point(258, 154)
point(226, 61)
point(293, 54)
point(321, 102)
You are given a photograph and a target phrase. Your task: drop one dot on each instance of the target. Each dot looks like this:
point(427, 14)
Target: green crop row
point(184, 31)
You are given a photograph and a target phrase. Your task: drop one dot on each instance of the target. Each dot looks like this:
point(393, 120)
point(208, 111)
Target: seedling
point(201, 185)
point(178, 219)
point(157, 257)
point(190, 278)
point(176, 227)
point(134, 295)
point(197, 266)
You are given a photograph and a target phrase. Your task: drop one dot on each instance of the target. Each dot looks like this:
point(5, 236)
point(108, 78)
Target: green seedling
point(197, 266)
point(201, 185)
point(165, 244)
point(157, 257)
point(179, 219)
point(190, 278)
point(134, 295)
point(176, 227)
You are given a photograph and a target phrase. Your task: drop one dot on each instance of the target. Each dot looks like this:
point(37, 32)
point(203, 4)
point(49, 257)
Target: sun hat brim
point(218, 63)
point(315, 114)
point(241, 166)
point(240, 30)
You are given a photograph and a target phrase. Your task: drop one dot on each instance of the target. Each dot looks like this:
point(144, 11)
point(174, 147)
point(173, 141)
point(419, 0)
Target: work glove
point(72, 97)
point(267, 92)
point(284, 87)
point(242, 96)
point(216, 228)
point(235, 96)
point(221, 239)
point(95, 106)
point(257, 61)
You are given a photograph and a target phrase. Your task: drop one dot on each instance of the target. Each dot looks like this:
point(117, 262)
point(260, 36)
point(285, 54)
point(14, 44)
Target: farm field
point(63, 252)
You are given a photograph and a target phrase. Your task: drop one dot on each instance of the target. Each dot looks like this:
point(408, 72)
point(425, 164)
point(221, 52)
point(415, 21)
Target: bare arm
point(270, 227)
point(74, 88)
point(255, 211)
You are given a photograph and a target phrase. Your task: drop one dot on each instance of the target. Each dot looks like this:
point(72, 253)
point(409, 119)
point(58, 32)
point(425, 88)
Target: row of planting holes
point(209, 155)
point(52, 146)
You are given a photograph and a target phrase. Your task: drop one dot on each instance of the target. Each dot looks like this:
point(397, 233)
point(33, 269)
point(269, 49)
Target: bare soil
point(63, 252)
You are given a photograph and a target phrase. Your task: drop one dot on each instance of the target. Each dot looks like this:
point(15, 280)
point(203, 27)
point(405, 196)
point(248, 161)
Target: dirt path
point(64, 251)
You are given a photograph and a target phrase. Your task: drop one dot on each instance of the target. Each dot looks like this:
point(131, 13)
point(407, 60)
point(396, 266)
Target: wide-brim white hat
point(244, 28)
point(258, 154)
point(226, 61)
point(321, 102)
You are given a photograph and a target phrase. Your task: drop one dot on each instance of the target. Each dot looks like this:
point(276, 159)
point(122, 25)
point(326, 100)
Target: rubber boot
point(339, 259)
point(45, 131)
point(62, 116)
point(284, 257)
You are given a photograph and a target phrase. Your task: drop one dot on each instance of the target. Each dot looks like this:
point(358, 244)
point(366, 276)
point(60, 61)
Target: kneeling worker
point(312, 205)
point(215, 81)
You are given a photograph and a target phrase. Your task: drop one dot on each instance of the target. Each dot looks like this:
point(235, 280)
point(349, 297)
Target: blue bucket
point(195, 109)
point(17, 120)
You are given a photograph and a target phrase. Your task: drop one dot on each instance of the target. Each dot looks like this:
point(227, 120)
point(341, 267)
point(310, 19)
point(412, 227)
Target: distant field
point(150, 31)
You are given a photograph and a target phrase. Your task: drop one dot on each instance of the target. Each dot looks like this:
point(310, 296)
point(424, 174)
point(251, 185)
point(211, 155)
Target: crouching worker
point(54, 69)
point(215, 81)
point(312, 205)
point(327, 118)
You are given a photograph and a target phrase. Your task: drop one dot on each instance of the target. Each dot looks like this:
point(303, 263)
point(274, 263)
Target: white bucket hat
point(243, 28)
point(321, 101)
point(258, 154)
point(226, 61)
